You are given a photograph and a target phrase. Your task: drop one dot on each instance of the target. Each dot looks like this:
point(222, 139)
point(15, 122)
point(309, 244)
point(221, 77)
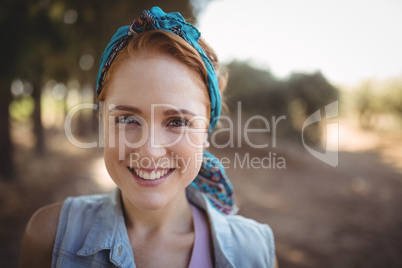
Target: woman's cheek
point(189, 154)
point(125, 140)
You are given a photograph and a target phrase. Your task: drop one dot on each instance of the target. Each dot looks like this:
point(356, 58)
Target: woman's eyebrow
point(126, 108)
point(178, 112)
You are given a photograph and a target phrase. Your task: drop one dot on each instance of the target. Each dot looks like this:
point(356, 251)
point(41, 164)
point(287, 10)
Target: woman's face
point(155, 122)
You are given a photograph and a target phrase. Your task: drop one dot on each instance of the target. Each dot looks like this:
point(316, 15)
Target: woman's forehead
point(156, 78)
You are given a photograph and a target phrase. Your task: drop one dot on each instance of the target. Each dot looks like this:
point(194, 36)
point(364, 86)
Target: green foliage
point(393, 98)
point(374, 99)
point(21, 109)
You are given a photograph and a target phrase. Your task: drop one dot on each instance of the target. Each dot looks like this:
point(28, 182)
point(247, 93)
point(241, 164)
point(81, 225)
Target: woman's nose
point(155, 144)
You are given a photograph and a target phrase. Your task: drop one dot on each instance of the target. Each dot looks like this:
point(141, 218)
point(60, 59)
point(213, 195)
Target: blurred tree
point(393, 98)
point(261, 93)
point(245, 83)
point(313, 88)
point(45, 39)
point(365, 106)
point(376, 99)
point(31, 38)
point(8, 26)
point(308, 93)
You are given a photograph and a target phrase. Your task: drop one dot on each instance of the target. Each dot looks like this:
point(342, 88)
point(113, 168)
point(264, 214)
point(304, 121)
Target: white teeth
point(150, 175)
point(146, 175)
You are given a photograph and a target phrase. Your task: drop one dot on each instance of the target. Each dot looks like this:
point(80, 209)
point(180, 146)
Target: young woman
point(158, 89)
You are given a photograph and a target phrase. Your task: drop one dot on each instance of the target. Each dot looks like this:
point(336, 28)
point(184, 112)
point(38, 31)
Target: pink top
point(201, 255)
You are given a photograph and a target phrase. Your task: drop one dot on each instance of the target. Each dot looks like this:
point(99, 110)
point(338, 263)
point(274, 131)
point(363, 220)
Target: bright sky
point(348, 40)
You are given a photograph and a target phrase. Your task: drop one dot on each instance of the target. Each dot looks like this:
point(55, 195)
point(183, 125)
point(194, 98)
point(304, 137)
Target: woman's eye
point(127, 120)
point(179, 122)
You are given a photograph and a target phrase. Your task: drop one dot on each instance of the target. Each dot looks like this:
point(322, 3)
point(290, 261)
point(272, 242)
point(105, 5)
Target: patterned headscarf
point(156, 19)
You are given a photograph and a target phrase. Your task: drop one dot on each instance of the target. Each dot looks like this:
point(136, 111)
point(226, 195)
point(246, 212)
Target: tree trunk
point(37, 120)
point(7, 170)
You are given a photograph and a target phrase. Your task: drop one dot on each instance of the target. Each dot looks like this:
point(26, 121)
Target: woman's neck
point(175, 216)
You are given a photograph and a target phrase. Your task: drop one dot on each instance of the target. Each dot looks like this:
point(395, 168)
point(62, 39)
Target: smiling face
point(155, 120)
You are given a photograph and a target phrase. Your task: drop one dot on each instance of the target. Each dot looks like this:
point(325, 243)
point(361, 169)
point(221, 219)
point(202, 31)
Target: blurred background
point(284, 58)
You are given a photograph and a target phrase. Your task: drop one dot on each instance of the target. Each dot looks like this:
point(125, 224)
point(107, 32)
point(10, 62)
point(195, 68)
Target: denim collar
point(108, 232)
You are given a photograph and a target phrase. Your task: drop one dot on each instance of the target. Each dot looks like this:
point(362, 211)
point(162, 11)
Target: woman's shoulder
point(39, 237)
point(43, 224)
point(44, 220)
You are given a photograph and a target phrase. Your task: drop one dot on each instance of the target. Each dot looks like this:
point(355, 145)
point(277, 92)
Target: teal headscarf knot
point(156, 19)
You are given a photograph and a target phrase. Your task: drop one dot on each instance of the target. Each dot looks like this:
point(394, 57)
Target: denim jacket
point(91, 233)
